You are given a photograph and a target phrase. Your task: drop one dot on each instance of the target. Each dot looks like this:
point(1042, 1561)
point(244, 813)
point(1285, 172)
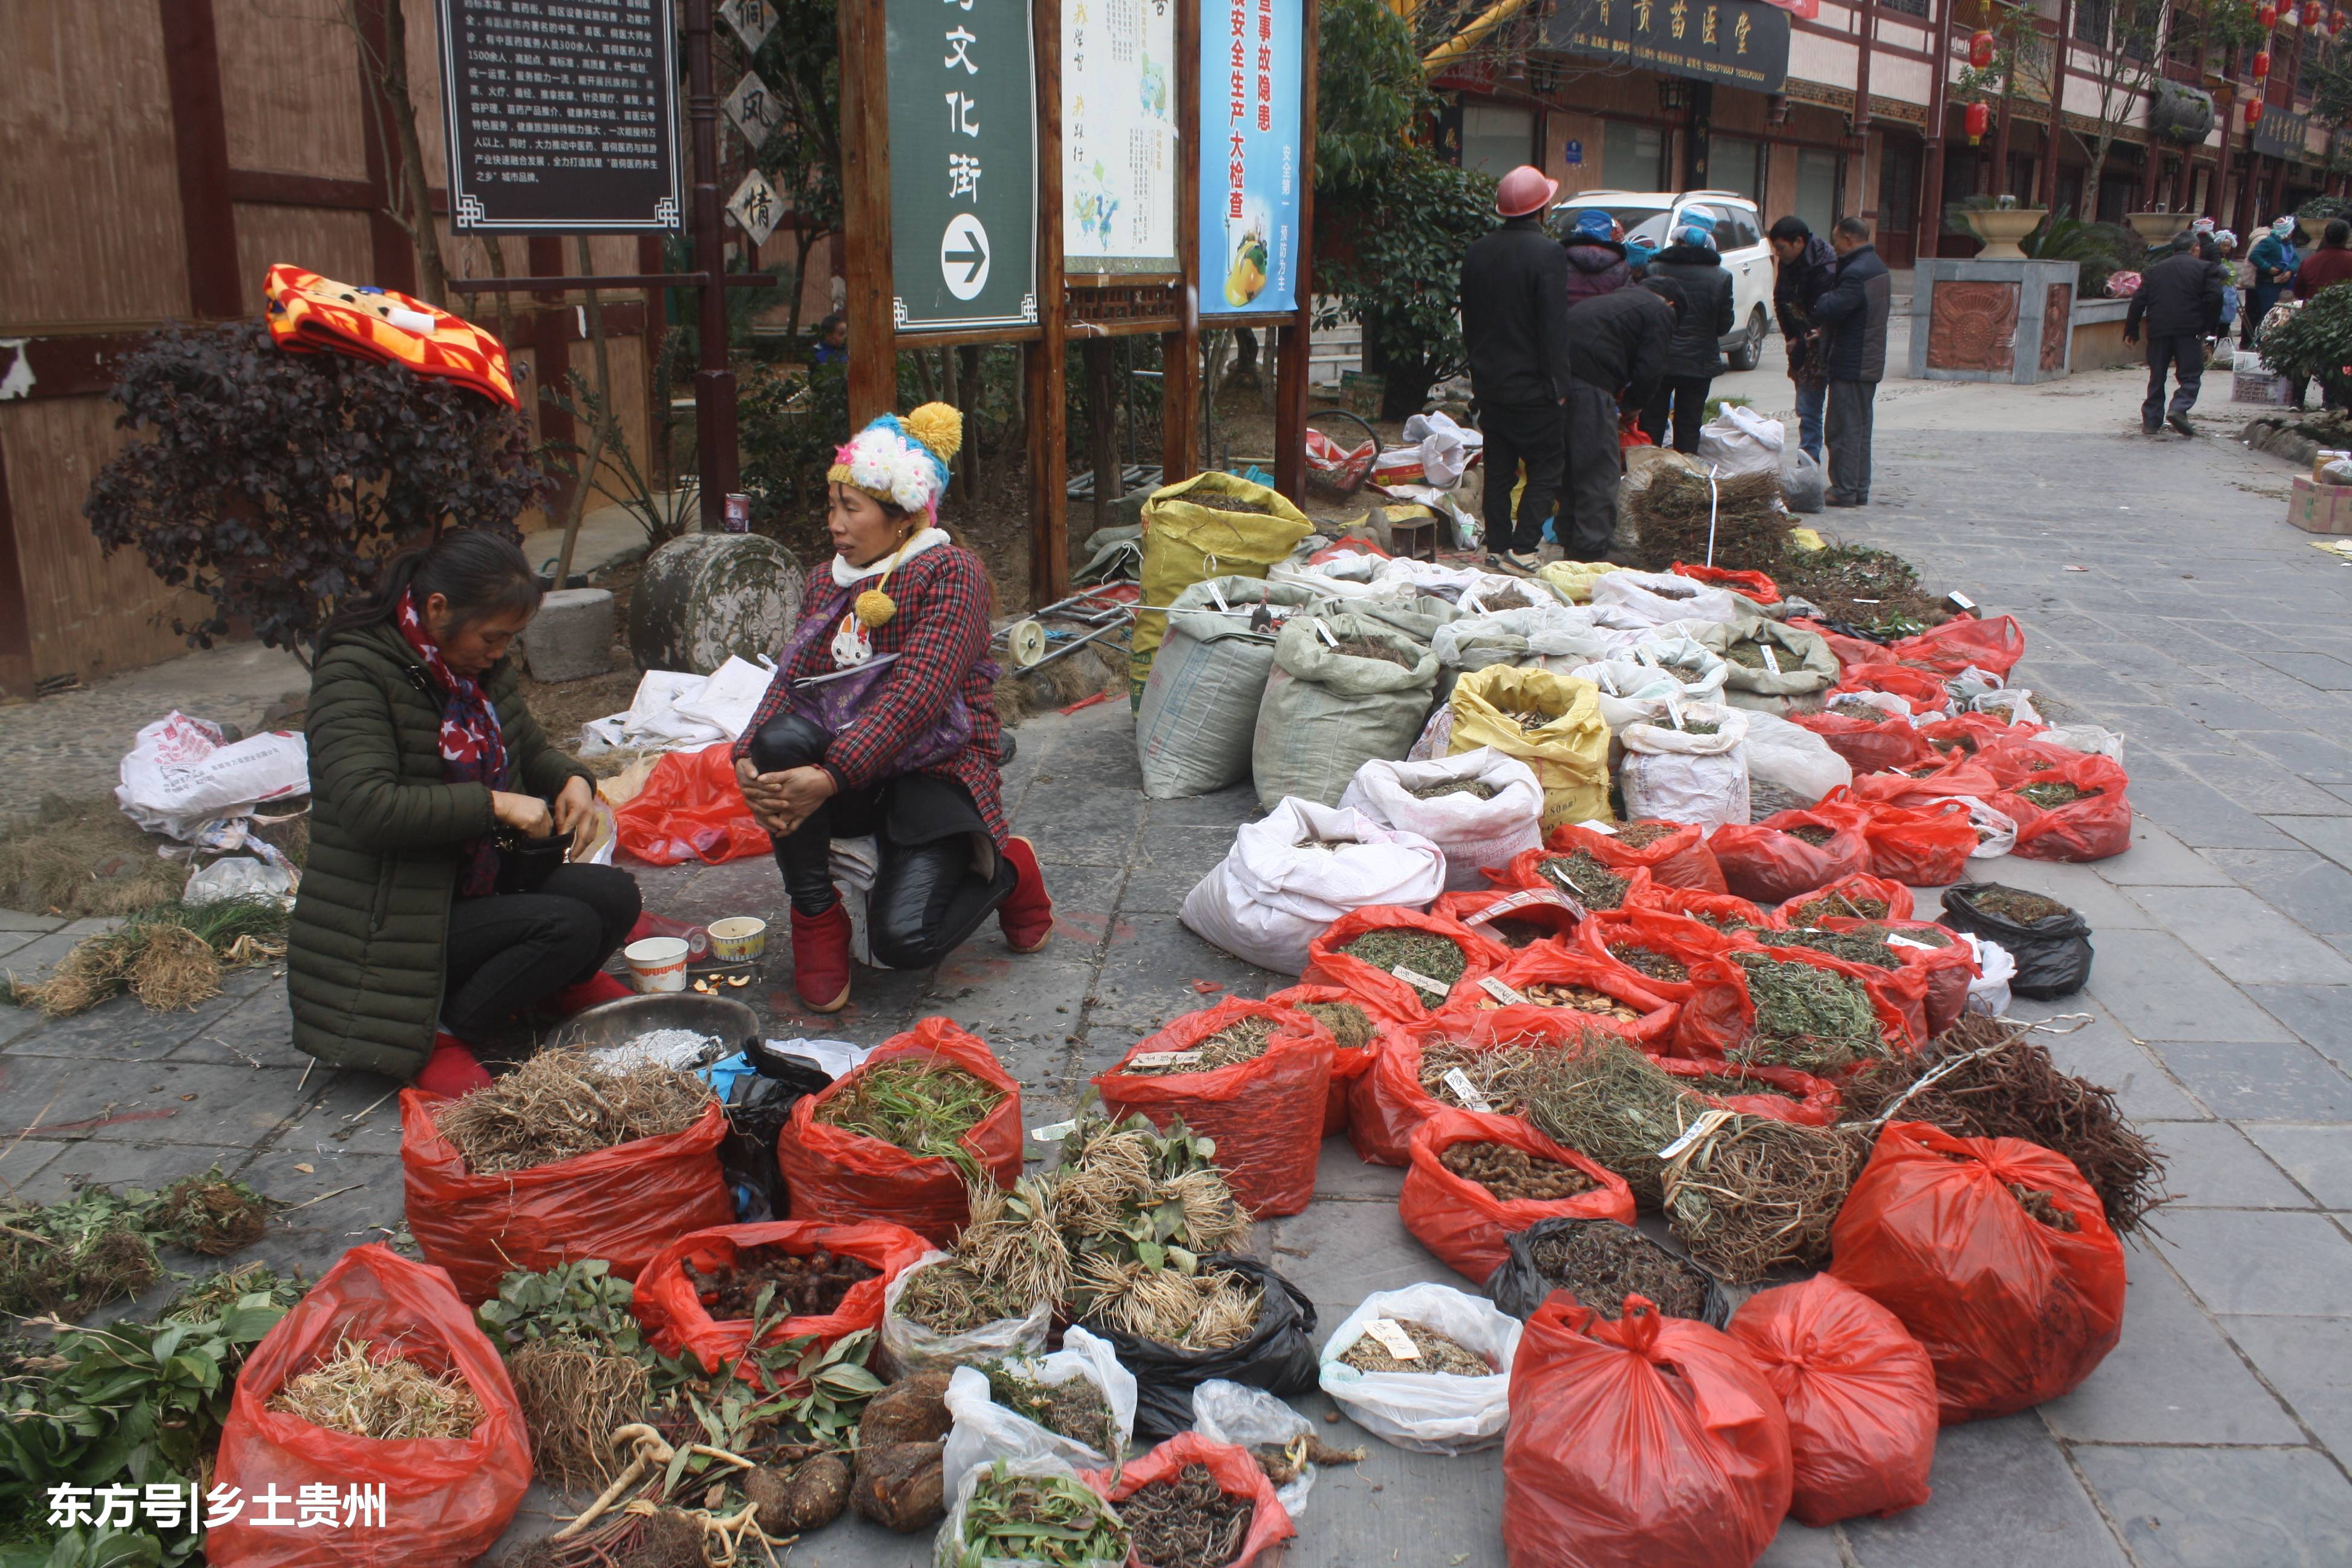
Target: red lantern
point(2312, 13)
point(2267, 16)
point(1978, 120)
point(2335, 22)
point(2260, 66)
point(2254, 111)
point(1981, 47)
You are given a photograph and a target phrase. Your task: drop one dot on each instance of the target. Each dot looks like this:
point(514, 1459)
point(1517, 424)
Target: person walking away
point(2275, 261)
point(1853, 318)
point(1621, 344)
point(1806, 265)
point(1596, 259)
point(1514, 291)
point(2322, 268)
point(1696, 359)
point(2178, 303)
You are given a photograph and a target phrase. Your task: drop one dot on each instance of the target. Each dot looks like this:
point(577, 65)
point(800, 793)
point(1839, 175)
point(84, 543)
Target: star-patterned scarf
point(473, 749)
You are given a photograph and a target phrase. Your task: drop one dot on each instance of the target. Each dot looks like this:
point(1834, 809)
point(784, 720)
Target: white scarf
point(844, 574)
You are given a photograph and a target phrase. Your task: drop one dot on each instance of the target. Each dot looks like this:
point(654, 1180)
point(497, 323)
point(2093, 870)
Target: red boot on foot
point(451, 1070)
point(599, 987)
point(820, 959)
point(1026, 914)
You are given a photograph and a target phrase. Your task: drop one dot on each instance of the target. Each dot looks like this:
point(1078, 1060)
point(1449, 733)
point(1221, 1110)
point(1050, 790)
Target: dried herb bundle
point(2043, 1206)
point(388, 1398)
point(1008, 1258)
point(1678, 514)
point(574, 1396)
point(1132, 1193)
point(2051, 796)
point(1439, 1354)
point(1243, 1040)
point(2015, 903)
point(1854, 946)
point(1351, 1027)
point(1815, 911)
point(1812, 1019)
point(1477, 788)
point(560, 1104)
point(1073, 1407)
point(1512, 1175)
point(1499, 1075)
point(1187, 1520)
point(1210, 1312)
point(1602, 1262)
point(1641, 834)
point(1752, 1194)
point(1650, 961)
point(922, 1105)
point(1426, 952)
point(1575, 998)
point(1614, 1105)
point(1584, 878)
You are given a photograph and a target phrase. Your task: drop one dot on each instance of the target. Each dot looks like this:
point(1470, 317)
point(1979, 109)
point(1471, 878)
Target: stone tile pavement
point(2161, 594)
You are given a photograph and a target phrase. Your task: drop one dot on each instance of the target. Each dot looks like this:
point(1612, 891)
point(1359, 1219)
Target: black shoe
point(2179, 421)
point(1845, 500)
point(2147, 429)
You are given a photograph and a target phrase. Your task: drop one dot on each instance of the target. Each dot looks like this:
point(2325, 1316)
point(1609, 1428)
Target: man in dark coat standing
point(1853, 318)
point(1692, 265)
point(2179, 304)
point(1514, 328)
point(1621, 344)
point(1807, 265)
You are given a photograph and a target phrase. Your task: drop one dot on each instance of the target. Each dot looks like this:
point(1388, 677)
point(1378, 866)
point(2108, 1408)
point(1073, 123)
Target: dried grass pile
point(170, 957)
point(1750, 1194)
point(1751, 526)
point(1612, 1105)
point(1985, 1079)
point(1212, 1310)
point(387, 1396)
point(574, 1396)
point(560, 1104)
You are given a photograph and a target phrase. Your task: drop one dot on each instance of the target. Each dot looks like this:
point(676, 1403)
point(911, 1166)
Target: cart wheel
point(1321, 419)
point(1025, 641)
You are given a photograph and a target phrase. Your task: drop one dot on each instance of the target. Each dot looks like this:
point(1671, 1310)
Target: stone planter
point(1993, 321)
point(2001, 229)
point(2155, 228)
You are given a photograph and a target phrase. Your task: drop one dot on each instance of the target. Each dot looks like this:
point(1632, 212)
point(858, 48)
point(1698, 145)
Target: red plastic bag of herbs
point(1964, 735)
point(837, 1176)
point(1527, 870)
point(691, 808)
point(677, 1319)
point(1755, 584)
point(1921, 689)
point(1327, 965)
point(1721, 1013)
point(1651, 1441)
point(1769, 863)
point(1236, 1473)
point(2089, 820)
point(1464, 1222)
point(1859, 1391)
point(1957, 775)
point(1351, 1057)
point(1921, 847)
point(1870, 746)
point(1995, 645)
point(1266, 1113)
point(1387, 1103)
point(1659, 941)
point(1676, 858)
point(622, 1203)
point(1547, 965)
point(1851, 897)
point(1948, 963)
point(1718, 910)
point(1783, 1094)
point(445, 1499)
point(1996, 1255)
point(2024, 760)
point(1516, 917)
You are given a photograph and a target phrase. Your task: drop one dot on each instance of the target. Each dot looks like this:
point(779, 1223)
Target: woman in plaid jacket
point(881, 721)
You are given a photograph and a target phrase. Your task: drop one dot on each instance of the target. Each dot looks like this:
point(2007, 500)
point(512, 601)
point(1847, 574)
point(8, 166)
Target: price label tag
point(1468, 1092)
point(1502, 993)
point(1415, 978)
point(1215, 593)
point(1324, 632)
point(1054, 1132)
point(1893, 939)
point(1164, 1060)
point(1698, 1130)
point(1472, 604)
point(1675, 712)
point(1392, 1338)
point(1519, 900)
point(1771, 657)
point(1609, 681)
point(1960, 602)
point(1642, 655)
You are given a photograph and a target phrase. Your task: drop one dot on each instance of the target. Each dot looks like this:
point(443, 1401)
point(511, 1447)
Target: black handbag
point(525, 863)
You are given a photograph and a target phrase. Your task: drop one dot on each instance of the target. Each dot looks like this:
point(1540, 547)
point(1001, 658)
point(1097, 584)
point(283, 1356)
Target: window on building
point(1632, 157)
point(2185, 45)
point(2091, 20)
point(1817, 189)
point(1736, 165)
point(1496, 138)
point(1908, 7)
point(2307, 74)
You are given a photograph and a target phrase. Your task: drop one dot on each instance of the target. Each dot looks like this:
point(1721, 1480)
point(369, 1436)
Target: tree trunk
point(432, 271)
point(975, 394)
point(601, 418)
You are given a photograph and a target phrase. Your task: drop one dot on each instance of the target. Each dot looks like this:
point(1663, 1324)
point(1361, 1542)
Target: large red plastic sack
point(1815, 1103)
point(2091, 828)
point(1767, 865)
point(2012, 1311)
point(1677, 937)
point(1949, 968)
point(1546, 964)
point(1721, 1013)
point(622, 1203)
point(691, 808)
point(1829, 900)
point(1869, 745)
point(1929, 781)
point(1924, 690)
point(840, 1177)
point(1715, 908)
point(1651, 1441)
point(1995, 645)
point(445, 1499)
point(1265, 1114)
point(1468, 1227)
point(1859, 1391)
point(677, 1321)
point(1479, 909)
point(1921, 847)
point(1755, 584)
point(1965, 734)
point(1236, 1473)
point(1327, 966)
point(1347, 1066)
point(1680, 859)
point(1387, 1104)
point(2024, 760)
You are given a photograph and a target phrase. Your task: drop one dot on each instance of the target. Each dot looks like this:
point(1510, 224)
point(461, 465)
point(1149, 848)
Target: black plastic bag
point(1519, 1286)
point(1279, 1357)
point(2052, 954)
point(758, 1106)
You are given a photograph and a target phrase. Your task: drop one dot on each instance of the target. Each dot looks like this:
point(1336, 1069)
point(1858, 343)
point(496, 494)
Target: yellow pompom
point(938, 426)
point(875, 606)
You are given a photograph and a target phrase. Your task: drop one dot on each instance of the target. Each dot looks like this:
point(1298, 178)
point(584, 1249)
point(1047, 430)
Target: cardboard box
point(2320, 508)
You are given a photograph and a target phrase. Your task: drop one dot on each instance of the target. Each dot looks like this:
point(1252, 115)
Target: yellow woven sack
point(1186, 539)
point(1574, 579)
point(1569, 753)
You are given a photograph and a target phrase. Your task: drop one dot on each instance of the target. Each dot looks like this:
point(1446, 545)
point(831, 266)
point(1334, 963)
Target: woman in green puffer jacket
point(405, 951)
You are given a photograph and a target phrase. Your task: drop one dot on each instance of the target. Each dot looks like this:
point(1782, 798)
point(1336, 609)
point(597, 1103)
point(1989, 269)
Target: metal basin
point(618, 1023)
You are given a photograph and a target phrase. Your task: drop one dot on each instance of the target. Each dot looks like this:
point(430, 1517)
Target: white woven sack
point(1268, 897)
point(1657, 597)
point(1669, 775)
point(1472, 832)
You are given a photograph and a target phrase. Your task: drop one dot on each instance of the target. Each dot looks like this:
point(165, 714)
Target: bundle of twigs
point(1751, 527)
point(1987, 1079)
point(1749, 1194)
point(1010, 1256)
point(560, 1103)
point(1212, 1311)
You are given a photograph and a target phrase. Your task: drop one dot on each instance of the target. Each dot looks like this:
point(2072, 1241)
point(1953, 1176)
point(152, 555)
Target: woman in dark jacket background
point(1692, 265)
point(404, 953)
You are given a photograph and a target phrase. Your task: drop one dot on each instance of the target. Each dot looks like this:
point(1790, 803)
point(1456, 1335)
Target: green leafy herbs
point(584, 1302)
point(1129, 1191)
point(921, 1106)
point(1424, 953)
point(1584, 878)
point(1807, 1017)
point(1050, 1519)
point(73, 1256)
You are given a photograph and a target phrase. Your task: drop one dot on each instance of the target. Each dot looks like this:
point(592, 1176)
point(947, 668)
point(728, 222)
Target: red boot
point(451, 1070)
point(820, 959)
point(598, 988)
point(1026, 914)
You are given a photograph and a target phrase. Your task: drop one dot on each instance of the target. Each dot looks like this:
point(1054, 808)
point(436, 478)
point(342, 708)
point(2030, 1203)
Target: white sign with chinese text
point(1119, 161)
point(756, 207)
point(753, 107)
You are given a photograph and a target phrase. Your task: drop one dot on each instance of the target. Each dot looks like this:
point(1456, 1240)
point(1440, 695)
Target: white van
point(1649, 217)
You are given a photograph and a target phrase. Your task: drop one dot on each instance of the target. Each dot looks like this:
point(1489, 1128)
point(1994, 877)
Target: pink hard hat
point(1524, 190)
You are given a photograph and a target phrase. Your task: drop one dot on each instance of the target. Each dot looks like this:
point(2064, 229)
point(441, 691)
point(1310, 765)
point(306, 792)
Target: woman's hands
point(576, 813)
point(525, 814)
point(780, 802)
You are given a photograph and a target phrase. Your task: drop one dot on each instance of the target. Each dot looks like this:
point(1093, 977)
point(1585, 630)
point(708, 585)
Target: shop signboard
point(1739, 43)
point(963, 164)
point(1251, 144)
point(1119, 158)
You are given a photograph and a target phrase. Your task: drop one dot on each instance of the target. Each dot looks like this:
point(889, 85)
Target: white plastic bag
point(180, 774)
point(1996, 967)
point(1987, 819)
point(2012, 704)
point(1630, 693)
point(1794, 758)
point(243, 876)
point(947, 1551)
point(1269, 897)
point(2090, 739)
point(1655, 599)
point(1862, 704)
point(1672, 775)
point(1435, 735)
point(985, 1430)
point(1701, 670)
point(909, 1347)
point(1803, 486)
point(1472, 833)
point(1432, 1412)
point(1226, 1412)
point(1740, 441)
point(675, 710)
point(1445, 447)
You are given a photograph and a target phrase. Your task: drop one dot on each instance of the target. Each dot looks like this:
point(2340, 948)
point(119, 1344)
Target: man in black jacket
point(1514, 328)
point(1853, 318)
point(1620, 344)
point(2179, 300)
point(1692, 265)
point(1806, 265)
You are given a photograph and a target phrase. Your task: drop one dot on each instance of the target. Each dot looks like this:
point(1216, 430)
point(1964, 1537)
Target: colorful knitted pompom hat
point(902, 461)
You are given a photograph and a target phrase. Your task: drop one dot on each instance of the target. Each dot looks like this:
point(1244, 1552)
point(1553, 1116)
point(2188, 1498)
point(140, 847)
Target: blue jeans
point(1811, 398)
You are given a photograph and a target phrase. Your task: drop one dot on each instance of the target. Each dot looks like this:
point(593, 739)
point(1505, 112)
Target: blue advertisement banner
point(1251, 55)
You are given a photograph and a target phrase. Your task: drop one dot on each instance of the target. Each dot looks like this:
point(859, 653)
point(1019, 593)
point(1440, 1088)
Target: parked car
point(1650, 216)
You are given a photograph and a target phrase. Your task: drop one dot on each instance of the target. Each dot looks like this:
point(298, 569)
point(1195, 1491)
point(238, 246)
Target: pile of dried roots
point(560, 1104)
point(1750, 527)
point(1750, 1194)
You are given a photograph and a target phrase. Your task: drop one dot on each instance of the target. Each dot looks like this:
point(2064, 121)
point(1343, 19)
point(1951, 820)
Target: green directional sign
point(963, 164)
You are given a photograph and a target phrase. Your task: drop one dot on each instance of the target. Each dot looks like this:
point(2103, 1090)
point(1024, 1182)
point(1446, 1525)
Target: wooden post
point(714, 382)
point(1043, 374)
point(18, 681)
point(2060, 48)
point(1291, 384)
point(865, 212)
point(1931, 178)
point(1180, 351)
point(200, 150)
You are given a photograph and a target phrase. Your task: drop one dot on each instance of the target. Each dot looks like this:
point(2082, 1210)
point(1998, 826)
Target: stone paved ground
point(2162, 597)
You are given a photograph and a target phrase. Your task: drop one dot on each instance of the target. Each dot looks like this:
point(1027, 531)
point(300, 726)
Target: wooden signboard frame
point(1085, 307)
